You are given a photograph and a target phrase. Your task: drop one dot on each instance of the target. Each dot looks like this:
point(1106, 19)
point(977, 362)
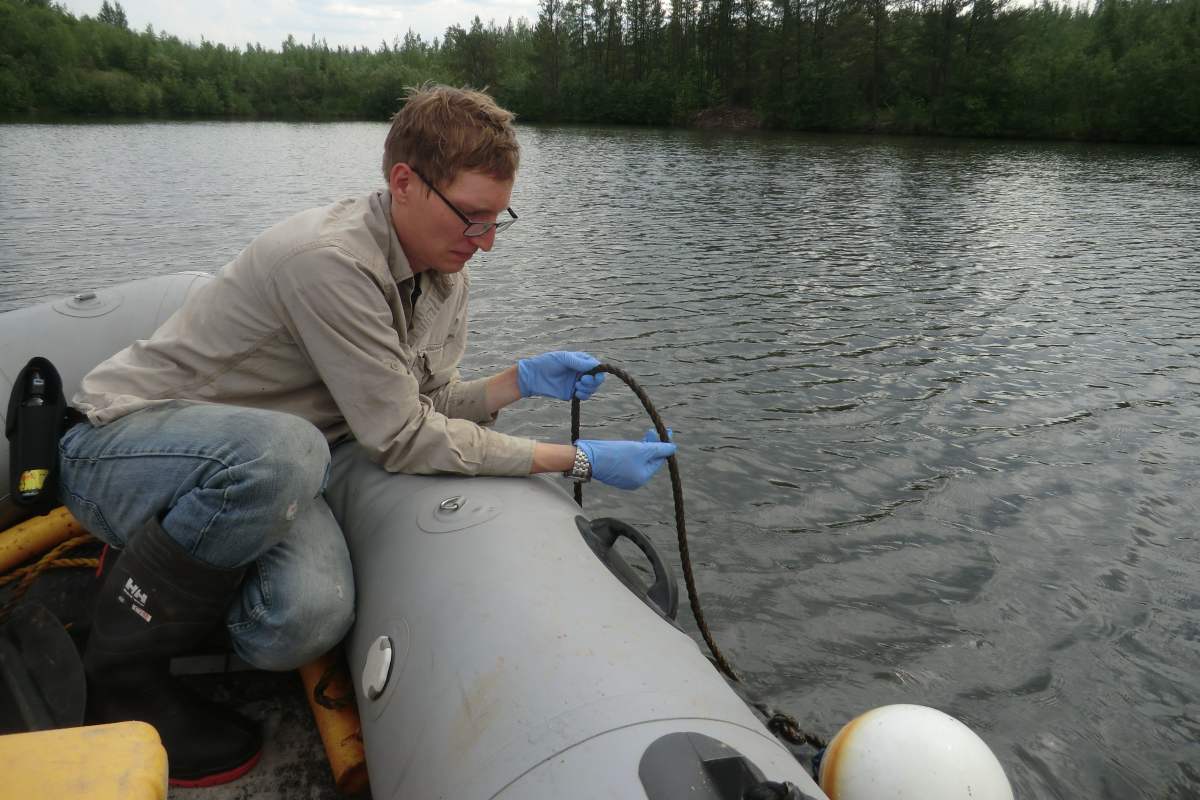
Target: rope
point(677, 494)
point(770, 790)
point(25, 576)
point(779, 723)
point(785, 727)
point(61, 563)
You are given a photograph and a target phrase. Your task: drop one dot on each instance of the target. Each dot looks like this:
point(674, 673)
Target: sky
point(363, 23)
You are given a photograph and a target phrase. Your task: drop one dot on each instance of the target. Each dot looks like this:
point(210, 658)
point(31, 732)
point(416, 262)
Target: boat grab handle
point(602, 535)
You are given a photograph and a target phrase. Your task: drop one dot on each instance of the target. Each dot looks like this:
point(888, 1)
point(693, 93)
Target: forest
point(1118, 70)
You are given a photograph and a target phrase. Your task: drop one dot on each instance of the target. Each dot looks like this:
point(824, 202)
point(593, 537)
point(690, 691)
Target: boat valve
point(378, 668)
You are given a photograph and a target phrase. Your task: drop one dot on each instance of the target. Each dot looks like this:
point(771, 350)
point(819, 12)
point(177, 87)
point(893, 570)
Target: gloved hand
point(625, 465)
point(652, 435)
point(558, 374)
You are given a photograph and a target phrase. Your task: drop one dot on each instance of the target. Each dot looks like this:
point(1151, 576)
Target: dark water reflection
point(936, 401)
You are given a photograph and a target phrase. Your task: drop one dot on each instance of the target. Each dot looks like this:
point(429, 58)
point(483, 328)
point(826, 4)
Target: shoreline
point(718, 119)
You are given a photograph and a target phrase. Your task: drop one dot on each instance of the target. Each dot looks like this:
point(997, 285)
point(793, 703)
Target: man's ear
point(400, 180)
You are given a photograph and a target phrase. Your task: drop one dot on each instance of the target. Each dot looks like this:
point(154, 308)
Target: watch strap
point(581, 468)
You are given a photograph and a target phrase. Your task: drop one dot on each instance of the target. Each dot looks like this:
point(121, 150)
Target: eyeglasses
point(473, 229)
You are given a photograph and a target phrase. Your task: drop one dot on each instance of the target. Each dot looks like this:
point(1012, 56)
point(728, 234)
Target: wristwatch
point(581, 470)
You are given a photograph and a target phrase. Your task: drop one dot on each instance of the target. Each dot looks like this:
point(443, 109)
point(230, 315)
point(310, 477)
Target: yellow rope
point(62, 563)
point(27, 575)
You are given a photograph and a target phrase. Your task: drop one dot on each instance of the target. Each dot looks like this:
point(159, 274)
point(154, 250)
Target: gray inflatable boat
point(502, 648)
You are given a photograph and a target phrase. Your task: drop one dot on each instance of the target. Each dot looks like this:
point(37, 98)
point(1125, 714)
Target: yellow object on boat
point(122, 761)
point(340, 728)
point(31, 538)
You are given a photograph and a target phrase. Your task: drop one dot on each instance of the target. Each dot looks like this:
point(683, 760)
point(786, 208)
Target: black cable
point(782, 725)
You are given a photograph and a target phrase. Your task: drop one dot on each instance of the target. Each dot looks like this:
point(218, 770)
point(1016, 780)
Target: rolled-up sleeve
point(338, 316)
point(464, 400)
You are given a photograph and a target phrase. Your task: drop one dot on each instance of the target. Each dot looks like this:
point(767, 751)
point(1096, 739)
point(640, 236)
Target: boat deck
point(293, 765)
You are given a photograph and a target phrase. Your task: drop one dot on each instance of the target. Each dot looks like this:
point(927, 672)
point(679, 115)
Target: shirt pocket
point(431, 365)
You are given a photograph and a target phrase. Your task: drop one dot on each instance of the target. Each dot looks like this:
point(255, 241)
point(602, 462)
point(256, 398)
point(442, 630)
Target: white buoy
point(905, 752)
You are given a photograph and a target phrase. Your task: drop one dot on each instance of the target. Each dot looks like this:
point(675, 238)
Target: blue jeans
point(235, 487)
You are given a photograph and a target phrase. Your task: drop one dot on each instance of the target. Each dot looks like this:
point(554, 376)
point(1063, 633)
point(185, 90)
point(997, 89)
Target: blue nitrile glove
point(652, 435)
point(557, 374)
point(625, 465)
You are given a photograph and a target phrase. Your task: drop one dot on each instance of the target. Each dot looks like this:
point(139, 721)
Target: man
point(207, 446)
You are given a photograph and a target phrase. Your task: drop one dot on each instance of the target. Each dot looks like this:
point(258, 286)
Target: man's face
point(429, 230)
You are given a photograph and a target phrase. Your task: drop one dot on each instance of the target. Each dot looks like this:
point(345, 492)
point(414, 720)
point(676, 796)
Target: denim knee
point(297, 600)
point(296, 633)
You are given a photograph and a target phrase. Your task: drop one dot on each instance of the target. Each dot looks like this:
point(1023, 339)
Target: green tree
point(113, 15)
point(1123, 70)
point(473, 55)
point(549, 55)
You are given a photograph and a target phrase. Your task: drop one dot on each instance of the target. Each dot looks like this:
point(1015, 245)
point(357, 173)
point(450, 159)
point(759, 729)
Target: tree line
point(1123, 70)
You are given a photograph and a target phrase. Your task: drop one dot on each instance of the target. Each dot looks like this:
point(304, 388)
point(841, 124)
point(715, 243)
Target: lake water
point(936, 401)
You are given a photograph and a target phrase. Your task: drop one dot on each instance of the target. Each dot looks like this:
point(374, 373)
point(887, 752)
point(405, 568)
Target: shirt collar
point(381, 206)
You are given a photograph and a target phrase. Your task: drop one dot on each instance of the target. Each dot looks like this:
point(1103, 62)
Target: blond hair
point(441, 131)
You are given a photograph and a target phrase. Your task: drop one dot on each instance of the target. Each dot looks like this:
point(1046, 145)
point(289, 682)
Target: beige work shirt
point(314, 318)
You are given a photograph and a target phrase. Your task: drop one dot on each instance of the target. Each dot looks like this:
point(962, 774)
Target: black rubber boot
point(158, 601)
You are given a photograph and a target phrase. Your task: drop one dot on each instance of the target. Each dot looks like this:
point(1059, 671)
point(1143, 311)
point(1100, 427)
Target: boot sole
point(216, 779)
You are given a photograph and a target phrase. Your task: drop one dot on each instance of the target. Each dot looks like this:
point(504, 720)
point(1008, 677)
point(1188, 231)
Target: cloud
point(346, 23)
point(365, 12)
